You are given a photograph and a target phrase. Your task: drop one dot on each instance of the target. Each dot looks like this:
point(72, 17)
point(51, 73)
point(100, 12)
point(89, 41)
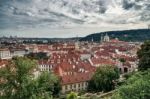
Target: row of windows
point(10, 54)
point(45, 69)
point(76, 86)
point(46, 66)
point(4, 54)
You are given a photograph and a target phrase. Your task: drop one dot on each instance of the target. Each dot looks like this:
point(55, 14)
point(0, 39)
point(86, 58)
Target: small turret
point(101, 40)
point(92, 40)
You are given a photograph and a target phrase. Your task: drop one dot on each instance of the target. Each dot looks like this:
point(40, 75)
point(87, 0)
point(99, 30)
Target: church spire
point(92, 39)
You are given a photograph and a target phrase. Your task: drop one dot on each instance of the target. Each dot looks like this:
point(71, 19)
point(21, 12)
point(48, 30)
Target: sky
point(71, 18)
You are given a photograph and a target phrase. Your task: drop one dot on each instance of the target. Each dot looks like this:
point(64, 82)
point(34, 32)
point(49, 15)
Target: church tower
point(92, 40)
point(106, 38)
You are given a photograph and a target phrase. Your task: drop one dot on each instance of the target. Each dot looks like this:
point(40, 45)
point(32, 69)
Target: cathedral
point(105, 38)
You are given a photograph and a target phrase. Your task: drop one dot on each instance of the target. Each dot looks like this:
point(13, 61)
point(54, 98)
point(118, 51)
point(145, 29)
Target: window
point(74, 85)
point(71, 86)
point(82, 84)
point(79, 85)
point(66, 87)
point(125, 70)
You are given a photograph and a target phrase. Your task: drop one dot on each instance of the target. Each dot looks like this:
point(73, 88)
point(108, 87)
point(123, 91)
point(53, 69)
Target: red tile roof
point(76, 78)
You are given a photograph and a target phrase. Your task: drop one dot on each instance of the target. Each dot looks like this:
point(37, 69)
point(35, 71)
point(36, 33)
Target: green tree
point(104, 79)
point(122, 60)
point(136, 87)
point(144, 56)
point(19, 81)
point(72, 95)
point(37, 56)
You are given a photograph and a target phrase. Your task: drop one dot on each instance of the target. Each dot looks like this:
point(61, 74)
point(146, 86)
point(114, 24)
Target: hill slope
point(126, 35)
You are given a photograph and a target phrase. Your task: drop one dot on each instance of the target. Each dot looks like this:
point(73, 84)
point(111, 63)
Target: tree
point(72, 95)
point(144, 56)
point(136, 87)
point(37, 56)
point(104, 79)
point(19, 81)
point(122, 60)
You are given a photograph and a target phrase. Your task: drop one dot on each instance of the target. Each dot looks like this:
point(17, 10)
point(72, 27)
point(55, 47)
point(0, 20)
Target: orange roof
point(101, 61)
point(76, 78)
point(3, 63)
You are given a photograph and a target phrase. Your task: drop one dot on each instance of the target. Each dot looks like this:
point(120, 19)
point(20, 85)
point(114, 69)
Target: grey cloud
point(136, 4)
point(127, 5)
point(55, 13)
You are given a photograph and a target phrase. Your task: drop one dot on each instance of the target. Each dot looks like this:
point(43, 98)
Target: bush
point(136, 87)
point(104, 79)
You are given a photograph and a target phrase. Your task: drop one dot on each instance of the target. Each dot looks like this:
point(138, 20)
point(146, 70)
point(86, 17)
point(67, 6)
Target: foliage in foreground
point(72, 95)
point(136, 87)
point(19, 82)
point(104, 79)
point(144, 56)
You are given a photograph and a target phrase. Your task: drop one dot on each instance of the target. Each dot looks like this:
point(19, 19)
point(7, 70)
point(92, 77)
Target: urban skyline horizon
point(74, 36)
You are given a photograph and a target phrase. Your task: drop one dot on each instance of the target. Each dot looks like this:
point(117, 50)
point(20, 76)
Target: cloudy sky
point(69, 18)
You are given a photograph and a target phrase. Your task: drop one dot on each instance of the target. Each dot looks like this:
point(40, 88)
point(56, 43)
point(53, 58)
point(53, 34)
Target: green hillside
point(125, 35)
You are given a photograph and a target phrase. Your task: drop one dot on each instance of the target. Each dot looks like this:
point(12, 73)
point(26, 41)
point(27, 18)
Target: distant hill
point(125, 35)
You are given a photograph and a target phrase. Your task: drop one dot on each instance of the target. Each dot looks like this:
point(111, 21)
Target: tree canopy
point(104, 79)
point(136, 87)
point(18, 81)
point(122, 60)
point(144, 56)
point(37, 56)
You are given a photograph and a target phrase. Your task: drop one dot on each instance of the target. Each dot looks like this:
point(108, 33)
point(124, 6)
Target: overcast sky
point(69, 18)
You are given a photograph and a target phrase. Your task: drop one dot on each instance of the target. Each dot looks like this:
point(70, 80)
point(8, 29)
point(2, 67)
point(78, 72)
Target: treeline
point(125, 35)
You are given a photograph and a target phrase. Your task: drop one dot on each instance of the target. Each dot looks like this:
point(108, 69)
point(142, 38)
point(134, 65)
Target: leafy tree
point(136, 87)
point(122, 60)
point(144, 56)
point(37, 56)
point(104, 79)
point(18, 81)
point(72, 95)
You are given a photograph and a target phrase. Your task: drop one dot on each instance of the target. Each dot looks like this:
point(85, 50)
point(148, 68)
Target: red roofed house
point(74, 72)
point(76, 82)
